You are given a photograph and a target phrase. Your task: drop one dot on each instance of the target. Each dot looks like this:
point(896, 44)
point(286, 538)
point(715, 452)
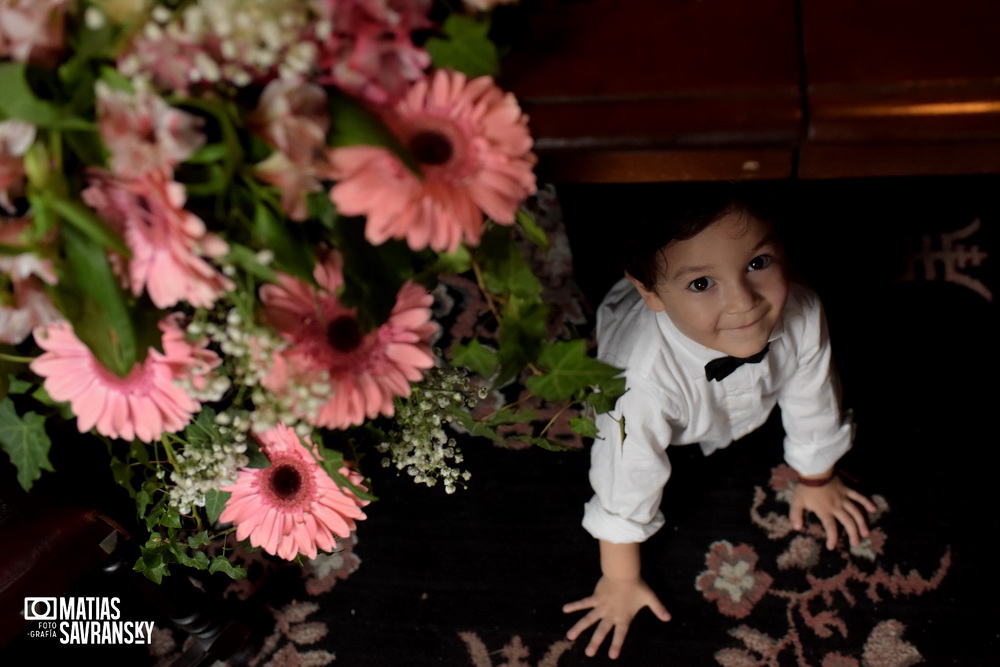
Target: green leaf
point(353, 124)
point(19, 101)
point(26, 443)
point(605, 399)
point(504, 267)
point(89, 295)
point(153, 562)
point(246, 259)
point(290, 252)
point(476, 356)
point(85, 220)
point(584, 426)
point(546, 443)
point(569, 370)
point(215, 503)
point(199, 540)
point(466, 46)
point(222, 564)
point(532, 231)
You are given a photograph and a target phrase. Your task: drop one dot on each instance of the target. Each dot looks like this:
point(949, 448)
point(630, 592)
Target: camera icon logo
point(40, 609)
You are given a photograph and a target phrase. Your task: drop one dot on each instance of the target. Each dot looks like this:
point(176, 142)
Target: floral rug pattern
point(816, 589)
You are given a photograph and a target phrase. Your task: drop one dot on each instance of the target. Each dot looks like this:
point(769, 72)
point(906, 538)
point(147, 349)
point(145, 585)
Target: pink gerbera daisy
point(474, 151)
point(292, 506)
point(327, 345)
point(144, 404)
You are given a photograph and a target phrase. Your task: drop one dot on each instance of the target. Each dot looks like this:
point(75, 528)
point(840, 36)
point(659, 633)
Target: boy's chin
point(742, 349)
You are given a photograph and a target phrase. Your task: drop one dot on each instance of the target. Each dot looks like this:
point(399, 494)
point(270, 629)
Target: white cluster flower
point(237, 40)
point(248, 351)
point(200, 469)
point(419, 443)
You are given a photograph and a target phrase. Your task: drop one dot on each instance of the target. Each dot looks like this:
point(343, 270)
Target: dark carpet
point(477, 579)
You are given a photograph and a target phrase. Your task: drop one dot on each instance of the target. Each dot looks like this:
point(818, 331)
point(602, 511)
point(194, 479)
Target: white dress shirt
point(669, 401)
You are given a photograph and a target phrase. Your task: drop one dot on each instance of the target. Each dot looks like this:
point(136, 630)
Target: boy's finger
point(600, 632)
point(850, 527)
point(830, 527)
point(865, 502)
point(585, 603)
point(618, 640)
point(659, 610)
point(582, 625)
point(858, 517)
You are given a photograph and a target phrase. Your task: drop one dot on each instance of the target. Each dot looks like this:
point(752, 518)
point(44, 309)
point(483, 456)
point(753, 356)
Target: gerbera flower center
point(285, 481)
point(431, 148)
point(344, 333)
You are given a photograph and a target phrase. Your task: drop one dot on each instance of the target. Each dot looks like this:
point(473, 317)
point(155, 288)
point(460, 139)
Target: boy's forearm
point(620, 561)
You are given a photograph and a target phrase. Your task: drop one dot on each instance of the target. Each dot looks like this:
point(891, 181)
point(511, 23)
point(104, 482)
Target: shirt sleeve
point(817, 430)
point(628, 472)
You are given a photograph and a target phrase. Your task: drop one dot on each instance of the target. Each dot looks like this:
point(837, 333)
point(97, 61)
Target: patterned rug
point(477, 578)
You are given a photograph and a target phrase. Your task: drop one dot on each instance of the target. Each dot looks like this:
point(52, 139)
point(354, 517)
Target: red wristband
point(821, 481)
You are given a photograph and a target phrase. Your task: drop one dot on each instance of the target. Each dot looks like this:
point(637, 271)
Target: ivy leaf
point(476, 356)
point(199, 540)
point(546, 443)
point(215, 503)
point(222, 564)
point(522, 333)
point(466, 47)
point(605, 399)
point(26, 443)
point(584, 426)
point(531, 230)
point(504, 267)
point(153, 561)
point(569, 370)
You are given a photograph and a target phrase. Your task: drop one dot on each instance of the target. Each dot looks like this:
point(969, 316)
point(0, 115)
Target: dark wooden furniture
point(675, 90)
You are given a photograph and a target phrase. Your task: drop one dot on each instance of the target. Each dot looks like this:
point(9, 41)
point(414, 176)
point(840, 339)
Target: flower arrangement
point(223, 224)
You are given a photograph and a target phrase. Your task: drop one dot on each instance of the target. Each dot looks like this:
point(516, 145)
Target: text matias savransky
point(85, 620)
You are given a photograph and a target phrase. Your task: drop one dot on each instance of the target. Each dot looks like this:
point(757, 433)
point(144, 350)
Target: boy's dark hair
point(657, 214)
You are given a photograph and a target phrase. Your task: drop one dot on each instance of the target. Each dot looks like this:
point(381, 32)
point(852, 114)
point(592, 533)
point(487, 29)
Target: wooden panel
point(620, 75)
point(900, 88)
point(666, 165)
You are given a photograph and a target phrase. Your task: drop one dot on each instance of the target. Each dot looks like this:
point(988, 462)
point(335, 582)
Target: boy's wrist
point(815, 481)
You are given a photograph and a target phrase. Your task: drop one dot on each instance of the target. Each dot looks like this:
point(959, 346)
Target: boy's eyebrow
point(768, 238)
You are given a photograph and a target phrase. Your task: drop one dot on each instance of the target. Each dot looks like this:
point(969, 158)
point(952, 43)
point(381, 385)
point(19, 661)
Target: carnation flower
point(291, 115)
point(474, 151)
point(25, 304)
point(328, 348)
point(365, 47)
point(143, 132)
point(294, 182)
point(16, 138)
point(292, 506)
point(144, 404)
point(33, 30)
point(168, 243)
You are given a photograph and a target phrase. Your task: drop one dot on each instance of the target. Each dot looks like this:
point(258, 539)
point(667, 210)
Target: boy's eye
point(759, 262)
point(700, 284)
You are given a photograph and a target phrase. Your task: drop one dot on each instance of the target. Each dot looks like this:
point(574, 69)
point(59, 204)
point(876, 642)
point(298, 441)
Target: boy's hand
point(832, 503)
point(613, 605)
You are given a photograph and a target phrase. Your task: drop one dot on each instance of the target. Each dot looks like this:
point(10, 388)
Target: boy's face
point(724, 288)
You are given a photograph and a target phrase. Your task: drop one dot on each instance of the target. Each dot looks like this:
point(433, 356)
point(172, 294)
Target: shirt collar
point(697, 351)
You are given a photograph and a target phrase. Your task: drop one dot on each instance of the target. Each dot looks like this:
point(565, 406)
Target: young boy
point(711, 336)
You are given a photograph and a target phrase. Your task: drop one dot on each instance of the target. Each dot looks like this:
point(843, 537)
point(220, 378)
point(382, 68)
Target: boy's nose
point(742, 298)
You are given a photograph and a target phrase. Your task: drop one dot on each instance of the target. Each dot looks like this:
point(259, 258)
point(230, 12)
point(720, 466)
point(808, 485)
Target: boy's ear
point(652, 300)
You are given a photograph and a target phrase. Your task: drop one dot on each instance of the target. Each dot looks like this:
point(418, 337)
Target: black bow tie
point(717, 369)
